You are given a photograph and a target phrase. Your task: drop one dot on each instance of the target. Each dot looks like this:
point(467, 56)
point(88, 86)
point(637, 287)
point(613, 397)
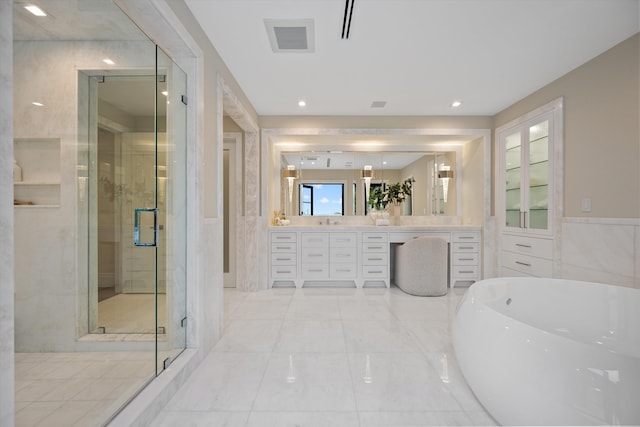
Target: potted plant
point(395, 194)
point(399, 191)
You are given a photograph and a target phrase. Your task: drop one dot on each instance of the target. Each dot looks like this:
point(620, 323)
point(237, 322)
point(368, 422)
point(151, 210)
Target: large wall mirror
point(330, 183)
point(326, 172)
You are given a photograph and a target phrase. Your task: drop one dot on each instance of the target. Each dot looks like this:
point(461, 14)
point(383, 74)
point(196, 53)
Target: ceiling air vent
point(291, 35)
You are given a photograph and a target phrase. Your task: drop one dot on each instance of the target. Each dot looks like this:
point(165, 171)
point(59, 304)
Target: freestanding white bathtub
point(550, 351)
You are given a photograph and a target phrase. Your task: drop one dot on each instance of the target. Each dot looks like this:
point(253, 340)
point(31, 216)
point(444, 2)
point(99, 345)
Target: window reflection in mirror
point(326, 199)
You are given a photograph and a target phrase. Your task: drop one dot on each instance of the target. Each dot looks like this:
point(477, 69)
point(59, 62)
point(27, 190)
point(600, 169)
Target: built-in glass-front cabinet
point(529, 192)
point(527, 169)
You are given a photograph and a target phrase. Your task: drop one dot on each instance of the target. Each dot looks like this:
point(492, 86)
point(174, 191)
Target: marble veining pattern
point(601, 250)
point(339, 357)
point(6, 218)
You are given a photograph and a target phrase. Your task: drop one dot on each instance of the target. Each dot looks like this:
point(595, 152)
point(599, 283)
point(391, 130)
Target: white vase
point(17, 171)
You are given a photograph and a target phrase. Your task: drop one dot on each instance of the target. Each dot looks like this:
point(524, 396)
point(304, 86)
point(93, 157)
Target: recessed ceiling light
point(302, 103)
point(165, 93)
point(35, 10)
point(38, 104)
point(108, 61)
point(456, 104)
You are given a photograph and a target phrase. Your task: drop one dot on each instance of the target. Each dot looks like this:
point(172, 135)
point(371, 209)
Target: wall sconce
point(445, 174)
point(367, 174)
point(291, 174)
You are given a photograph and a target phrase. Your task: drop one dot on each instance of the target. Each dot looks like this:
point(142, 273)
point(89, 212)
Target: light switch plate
point(586, 204)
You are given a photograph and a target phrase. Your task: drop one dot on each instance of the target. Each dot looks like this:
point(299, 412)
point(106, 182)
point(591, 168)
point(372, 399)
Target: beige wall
point(601, 131)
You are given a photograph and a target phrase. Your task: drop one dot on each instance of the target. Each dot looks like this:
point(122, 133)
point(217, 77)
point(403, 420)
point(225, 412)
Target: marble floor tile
point(306, 419)
point(249, 336)
point(330, 357)
point(364, 308)
point(378, 336)
point(414, 418)
point(431, 336)
point(300, 336)
point(314, 308)
point(223, 382)
point(203, 419)
point(399, 382)
point(306, 382)
point(260, 310)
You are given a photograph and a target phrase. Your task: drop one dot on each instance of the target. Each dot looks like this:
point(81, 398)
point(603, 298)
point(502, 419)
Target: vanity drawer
point(283, 247)
point(315, 271)
point(343, 271)
point(283, 272)
point(465, 272)
point(466, 237)
point(405, 236)
point(463, 258)
point(464, 247)
point(375, 237)
point(342, 240)
point(283, 237)
point(315, 255)
point(374, 259)
point(375, 271)
point(375, 247)
point(541, 248)
point(315, 240)
point(342, 255)
point(528, 264)
point(283, 259)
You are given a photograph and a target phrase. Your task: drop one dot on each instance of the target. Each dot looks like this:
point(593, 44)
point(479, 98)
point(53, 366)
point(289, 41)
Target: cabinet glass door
point(538, 162)
point(513, 175)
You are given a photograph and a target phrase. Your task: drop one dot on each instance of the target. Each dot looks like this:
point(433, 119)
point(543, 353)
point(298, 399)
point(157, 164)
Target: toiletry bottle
point(17, 171)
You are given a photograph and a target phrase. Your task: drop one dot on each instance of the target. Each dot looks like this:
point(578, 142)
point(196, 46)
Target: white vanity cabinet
point(465, 256)
point(284, 257)
point(375, 257)
point(314, 256)
point(328, 256)
point(343, 256)
point(361, 256)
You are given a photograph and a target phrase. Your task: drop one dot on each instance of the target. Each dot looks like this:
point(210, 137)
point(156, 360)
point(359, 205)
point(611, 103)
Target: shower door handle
point(137, 226)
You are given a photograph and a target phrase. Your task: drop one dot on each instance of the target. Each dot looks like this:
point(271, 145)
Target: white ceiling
point(418, 55)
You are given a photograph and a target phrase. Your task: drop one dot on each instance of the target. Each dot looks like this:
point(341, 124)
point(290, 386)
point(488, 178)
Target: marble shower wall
point(605, 250)
point(7, 363)
point(47, 250)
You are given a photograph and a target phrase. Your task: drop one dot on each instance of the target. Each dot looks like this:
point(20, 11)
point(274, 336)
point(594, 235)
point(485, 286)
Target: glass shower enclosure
point(133, 183)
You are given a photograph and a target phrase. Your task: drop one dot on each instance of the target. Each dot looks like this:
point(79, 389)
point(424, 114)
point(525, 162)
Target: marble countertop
point(383, 228)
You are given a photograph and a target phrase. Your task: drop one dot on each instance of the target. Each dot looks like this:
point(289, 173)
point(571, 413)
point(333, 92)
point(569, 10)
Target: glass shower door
point(137, 210)
point(171, 200)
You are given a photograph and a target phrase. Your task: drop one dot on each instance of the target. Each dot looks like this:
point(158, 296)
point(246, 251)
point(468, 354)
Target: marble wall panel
point(601, 250)
point(49, 248)
point(6, 218)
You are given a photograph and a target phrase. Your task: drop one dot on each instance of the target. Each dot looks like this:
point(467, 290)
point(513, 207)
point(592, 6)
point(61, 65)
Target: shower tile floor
point(84, 389)
point(330, 357)
point(77, 389)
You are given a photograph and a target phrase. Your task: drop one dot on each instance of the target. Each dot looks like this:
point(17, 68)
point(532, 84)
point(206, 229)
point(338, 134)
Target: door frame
point(232, 142)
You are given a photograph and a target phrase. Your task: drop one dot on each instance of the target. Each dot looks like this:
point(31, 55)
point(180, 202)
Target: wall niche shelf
point(39, 159)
